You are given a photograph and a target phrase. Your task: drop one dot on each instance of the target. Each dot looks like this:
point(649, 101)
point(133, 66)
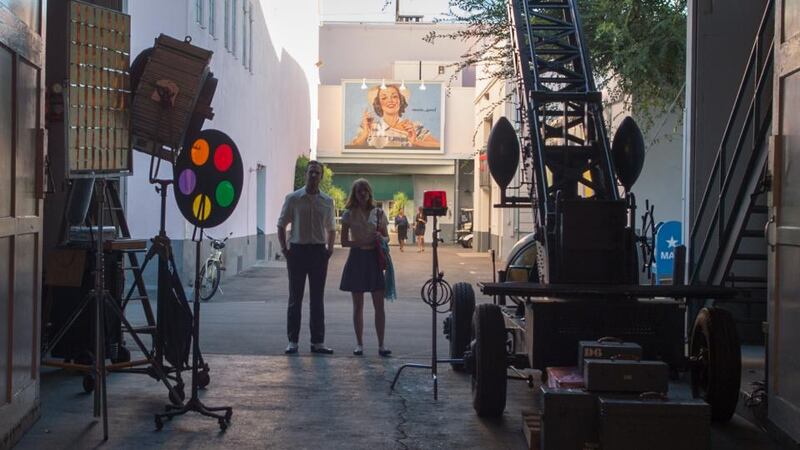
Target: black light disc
point(208, 176)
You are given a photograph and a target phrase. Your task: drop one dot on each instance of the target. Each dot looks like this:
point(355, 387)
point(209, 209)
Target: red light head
point(434, 203)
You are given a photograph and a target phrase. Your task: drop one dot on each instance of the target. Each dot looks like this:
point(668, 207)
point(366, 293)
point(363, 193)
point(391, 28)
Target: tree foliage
point(400, 200)
point(636, 47)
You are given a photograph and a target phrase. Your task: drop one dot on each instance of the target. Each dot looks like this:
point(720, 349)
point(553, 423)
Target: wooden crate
point(532, 428)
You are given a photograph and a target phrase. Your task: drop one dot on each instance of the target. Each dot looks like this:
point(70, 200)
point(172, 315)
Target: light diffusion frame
point(98, 93)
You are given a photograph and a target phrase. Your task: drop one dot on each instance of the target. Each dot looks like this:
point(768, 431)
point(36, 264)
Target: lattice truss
point(567, 144)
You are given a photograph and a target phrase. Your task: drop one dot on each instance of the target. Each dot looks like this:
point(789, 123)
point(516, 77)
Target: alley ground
point(310, 401)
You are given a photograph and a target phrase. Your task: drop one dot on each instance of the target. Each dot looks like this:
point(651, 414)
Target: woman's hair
point(351, 199)
point(376, 103)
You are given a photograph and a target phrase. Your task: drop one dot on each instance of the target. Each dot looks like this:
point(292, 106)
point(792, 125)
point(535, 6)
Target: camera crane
point(585, 284)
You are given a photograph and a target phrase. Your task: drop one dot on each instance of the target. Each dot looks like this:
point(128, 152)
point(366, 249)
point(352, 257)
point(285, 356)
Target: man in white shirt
point(310, 212)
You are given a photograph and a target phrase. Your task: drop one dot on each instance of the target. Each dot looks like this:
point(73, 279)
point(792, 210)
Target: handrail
point(717, 168)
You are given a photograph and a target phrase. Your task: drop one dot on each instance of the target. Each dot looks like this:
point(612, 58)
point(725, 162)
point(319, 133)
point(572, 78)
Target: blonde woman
point(364, 225)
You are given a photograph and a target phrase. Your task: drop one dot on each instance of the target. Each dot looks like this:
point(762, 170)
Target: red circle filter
point(208, 178)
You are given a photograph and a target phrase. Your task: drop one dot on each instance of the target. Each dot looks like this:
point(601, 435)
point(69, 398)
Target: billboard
point(392, 117)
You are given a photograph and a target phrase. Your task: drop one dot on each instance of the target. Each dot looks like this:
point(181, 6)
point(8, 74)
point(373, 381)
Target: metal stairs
point(726, 243)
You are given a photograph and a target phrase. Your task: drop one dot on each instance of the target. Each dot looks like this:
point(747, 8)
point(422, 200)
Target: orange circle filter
point(200, 152)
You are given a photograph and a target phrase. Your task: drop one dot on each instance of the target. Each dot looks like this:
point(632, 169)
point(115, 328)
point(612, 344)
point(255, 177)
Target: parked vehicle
point(464, 235)
point(211, 272)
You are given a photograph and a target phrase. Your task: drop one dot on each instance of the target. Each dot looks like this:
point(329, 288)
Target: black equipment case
point(608, 348)
point(614, 375)
point(569, 420)
point(654, 424)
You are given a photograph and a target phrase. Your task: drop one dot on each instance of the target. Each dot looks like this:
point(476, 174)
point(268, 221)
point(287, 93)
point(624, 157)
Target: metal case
point(569, 420)
point(636, 424)
point(608, 349)
point(613, 375)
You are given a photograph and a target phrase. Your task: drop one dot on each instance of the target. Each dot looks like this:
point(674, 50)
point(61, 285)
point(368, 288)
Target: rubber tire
point(489, 350)
point(468, 243)
point(461, 313)
point(718, 381)
point(214, 283)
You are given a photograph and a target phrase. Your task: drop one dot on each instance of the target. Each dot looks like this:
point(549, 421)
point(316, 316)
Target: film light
point(434, 203)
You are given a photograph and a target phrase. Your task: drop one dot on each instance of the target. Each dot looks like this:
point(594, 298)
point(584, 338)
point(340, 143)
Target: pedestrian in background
point(401, 224)
point(310, 245)
point(419, 229)
point(364, 227)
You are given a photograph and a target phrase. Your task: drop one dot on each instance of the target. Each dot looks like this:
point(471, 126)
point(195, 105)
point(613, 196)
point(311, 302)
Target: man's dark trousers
point(307, 260)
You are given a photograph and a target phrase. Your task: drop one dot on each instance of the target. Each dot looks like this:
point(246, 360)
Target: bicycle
point(210, 272)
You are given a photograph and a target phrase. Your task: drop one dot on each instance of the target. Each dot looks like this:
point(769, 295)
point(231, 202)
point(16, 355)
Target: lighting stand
point(435, 293)
point(194, 403)
point(100, 296)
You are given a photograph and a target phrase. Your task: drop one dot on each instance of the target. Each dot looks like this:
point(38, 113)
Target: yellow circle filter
point(200, 152)
point(201, 207)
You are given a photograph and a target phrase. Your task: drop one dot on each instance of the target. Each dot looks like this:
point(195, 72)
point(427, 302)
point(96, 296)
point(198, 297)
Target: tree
point(639, 44)
point(400, 200)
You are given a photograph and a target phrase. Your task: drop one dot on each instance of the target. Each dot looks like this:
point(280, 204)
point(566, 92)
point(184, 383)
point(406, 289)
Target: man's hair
point(316, 163)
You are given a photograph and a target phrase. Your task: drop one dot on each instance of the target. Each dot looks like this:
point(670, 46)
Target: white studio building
point(355, 59)
point(266, 100)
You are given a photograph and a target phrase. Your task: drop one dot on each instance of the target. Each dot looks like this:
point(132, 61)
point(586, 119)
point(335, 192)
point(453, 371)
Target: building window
point(227, 19)
point(198, 11)
point(250, 37)
point(234, 33)
point(244, 33)
point(212, 17)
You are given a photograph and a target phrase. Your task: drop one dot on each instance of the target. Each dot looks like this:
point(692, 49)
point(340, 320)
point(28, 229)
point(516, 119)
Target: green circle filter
point(225, 193)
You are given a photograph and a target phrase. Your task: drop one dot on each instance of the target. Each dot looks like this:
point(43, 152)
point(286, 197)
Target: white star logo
point(672, 242)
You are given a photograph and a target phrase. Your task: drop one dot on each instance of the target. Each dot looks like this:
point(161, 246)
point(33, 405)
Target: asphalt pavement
point(301, 401)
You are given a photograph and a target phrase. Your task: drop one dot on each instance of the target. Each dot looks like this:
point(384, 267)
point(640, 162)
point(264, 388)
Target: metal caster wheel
point(88, 383)
point(223, 425)
point(203, 379)
point(181, 395)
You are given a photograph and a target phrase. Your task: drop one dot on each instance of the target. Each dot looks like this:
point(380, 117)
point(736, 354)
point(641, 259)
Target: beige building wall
point(390, 52)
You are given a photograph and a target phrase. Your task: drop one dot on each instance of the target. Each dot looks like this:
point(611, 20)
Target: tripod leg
point(102, 358)
point(72, 318)
point(162, 376)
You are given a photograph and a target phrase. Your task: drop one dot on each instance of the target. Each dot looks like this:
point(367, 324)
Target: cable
point(436, 293)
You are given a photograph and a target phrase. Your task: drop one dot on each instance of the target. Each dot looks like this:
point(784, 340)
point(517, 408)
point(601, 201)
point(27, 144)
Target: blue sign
point(667, 238)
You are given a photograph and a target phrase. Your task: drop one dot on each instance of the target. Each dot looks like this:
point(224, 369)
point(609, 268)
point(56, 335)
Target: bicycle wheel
point(209, 280)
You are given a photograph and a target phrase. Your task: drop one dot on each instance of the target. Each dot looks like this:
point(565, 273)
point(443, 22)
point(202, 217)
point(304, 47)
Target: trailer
point(577, 276)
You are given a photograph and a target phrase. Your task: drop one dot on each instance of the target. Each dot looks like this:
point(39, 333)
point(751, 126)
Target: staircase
point(726, 244)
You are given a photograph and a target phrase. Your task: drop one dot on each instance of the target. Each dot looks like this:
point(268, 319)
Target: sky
point(375, 11)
